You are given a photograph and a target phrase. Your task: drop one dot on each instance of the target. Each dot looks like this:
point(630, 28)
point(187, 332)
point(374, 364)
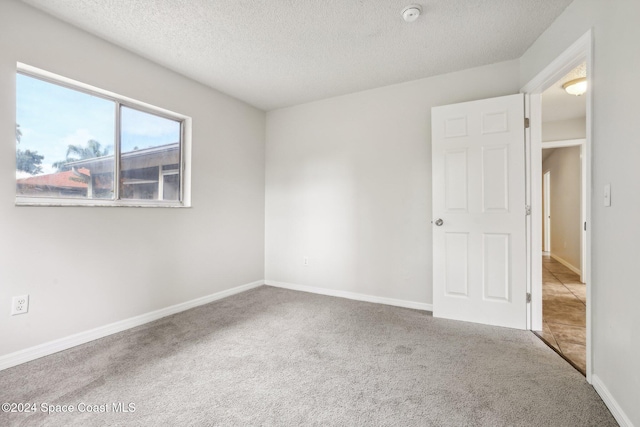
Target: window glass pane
point(171, 187)
point(64, 141)
point(149, 144)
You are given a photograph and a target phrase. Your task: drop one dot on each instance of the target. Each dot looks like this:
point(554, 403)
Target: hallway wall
point(565, 167)
point(561, 130)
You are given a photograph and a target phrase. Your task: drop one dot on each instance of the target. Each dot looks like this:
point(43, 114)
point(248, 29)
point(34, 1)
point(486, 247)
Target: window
point(79, 145)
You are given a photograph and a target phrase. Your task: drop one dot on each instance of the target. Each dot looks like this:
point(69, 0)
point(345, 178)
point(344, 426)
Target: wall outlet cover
point(20, 305)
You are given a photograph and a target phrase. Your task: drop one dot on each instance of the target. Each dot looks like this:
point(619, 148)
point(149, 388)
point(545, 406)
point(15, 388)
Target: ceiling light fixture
point(576, 87)
point(411, 13)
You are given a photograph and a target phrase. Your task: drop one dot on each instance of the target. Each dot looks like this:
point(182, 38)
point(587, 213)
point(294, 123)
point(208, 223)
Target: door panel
point(457, 247)
point(497, 285)
point(495, 179)
point(479, 261)
point(456, 180)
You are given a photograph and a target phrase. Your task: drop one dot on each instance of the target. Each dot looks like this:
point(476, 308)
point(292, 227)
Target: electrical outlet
point(20, 305)
point(305, 260)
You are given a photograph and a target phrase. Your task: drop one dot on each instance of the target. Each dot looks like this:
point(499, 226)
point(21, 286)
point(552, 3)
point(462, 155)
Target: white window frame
point(120, 100)
point(162, 174)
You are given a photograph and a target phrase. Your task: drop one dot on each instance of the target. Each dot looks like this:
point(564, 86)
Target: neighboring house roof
point(142, 158)
point(135, 159)
point(67, 179)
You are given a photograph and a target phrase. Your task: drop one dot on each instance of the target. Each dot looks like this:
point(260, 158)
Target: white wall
point(566, 182)
point(616, 156)
point(87, 267)
point(348, 183)
point(560, 130)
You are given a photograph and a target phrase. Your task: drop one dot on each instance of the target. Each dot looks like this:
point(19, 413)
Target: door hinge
point(526, 122)
point(528, 210)
point(585, 226)
point(528, 297)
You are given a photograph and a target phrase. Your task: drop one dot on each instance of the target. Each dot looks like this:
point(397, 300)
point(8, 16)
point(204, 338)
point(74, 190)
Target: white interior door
point(479, 231)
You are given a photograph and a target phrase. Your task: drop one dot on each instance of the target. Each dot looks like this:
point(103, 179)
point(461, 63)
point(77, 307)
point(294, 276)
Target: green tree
point(27, 160)
point(76, 152)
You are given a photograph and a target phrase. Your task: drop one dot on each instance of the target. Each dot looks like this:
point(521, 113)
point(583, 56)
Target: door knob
point(439, 222)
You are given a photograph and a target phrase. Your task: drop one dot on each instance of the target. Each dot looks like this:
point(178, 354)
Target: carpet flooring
point(275, 357)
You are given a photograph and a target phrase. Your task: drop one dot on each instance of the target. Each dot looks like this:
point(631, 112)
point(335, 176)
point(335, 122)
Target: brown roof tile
point(65, 179)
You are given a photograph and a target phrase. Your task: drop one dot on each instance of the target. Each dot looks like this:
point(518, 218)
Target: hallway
point(564, 312)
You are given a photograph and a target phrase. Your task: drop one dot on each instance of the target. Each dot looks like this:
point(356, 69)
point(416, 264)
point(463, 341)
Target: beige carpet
point(274, 357)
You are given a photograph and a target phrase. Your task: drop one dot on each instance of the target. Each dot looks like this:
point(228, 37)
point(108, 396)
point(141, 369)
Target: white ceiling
point(276, 53)
point(557, 104)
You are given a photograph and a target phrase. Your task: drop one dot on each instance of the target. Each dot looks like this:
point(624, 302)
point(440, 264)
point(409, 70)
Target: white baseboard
point(351, 295)
point(566, 264)
point(611, 403)
point(41, 350)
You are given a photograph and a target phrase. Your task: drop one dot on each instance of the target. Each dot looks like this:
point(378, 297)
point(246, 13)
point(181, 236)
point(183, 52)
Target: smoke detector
point(411, 13)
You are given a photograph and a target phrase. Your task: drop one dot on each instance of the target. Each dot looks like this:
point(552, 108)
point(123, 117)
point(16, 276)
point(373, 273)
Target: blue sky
point(52, 117)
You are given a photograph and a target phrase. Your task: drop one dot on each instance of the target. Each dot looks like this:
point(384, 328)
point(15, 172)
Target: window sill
point(37, 201)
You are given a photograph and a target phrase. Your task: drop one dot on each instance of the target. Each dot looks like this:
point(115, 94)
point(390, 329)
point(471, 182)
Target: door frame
point(546, 210)
point(579, 52)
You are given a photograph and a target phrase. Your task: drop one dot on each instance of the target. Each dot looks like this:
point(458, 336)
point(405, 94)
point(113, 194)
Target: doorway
point(563, 292)
point(561, 277)
point(452, 264)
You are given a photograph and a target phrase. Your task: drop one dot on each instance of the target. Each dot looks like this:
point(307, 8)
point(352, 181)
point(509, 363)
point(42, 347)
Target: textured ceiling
point(276, 53)
point(557, 104)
